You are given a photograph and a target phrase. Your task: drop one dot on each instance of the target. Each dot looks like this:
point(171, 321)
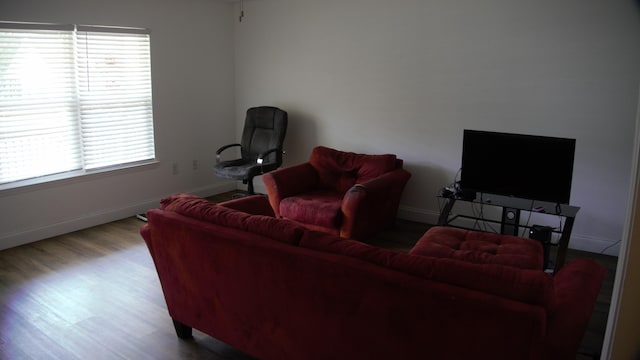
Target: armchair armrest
point(223, 148)
point(289, 181)
point(373, 205)
point(577, 286)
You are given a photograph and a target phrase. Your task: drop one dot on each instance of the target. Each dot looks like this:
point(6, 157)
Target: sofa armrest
point(289, 181)
point(577, 286)
point(253, 204)
point(372, 205)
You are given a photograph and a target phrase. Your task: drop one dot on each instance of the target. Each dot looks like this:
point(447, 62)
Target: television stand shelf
point(510, 218)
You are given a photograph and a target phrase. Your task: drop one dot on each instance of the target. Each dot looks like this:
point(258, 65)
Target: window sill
point(51, 181)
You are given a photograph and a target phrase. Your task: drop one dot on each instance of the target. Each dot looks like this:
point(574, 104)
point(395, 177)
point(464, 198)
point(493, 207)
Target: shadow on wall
point(425, 178)
point(302, 136)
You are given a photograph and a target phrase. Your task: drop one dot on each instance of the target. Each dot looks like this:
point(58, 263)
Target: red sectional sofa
point(276, 290)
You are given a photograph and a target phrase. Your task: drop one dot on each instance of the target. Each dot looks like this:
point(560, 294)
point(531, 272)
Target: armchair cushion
point(320, 208)
point(339, 170)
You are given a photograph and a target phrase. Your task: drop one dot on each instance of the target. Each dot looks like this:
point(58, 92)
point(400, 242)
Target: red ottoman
point(480, 247)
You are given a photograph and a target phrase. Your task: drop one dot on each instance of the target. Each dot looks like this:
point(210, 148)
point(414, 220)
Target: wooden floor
point(94, 294)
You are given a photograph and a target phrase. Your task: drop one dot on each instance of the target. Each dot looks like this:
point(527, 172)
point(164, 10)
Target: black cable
point(610, 246)
point(487, 225)
point(528, 220)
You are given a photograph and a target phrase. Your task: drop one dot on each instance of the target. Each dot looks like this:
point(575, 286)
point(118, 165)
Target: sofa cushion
point(480, 247)
point(202, 209)
point(277, 229)
point(339, 170)
point(530, 286)
point(333, 244)
point(320, 208)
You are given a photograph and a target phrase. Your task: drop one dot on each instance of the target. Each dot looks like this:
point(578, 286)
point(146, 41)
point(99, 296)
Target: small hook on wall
point(241, 11)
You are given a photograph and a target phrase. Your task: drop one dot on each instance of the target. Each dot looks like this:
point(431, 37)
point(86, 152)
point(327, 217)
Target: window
point(73, 100)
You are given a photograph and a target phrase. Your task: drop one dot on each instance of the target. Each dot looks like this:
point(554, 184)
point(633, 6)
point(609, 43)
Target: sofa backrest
point(533, 287)
point(340, 170)
point(528, 286)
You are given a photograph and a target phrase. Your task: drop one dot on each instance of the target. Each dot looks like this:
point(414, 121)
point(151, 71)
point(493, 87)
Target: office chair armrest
point(278, 152)
point(223, 148)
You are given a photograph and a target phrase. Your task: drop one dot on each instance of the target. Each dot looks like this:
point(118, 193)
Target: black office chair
point(261, 146)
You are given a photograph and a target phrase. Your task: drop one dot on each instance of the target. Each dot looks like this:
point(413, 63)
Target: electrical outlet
point(174, 169)
point(194, 165)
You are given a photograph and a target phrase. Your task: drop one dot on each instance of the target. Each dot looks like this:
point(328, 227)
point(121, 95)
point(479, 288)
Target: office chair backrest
point(264, 128)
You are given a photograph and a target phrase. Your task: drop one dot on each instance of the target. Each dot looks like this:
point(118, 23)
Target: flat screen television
point(523, 166)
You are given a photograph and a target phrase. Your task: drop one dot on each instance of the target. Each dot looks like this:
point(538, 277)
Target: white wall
point(194, 112)
point(408, 76)
point(374, 76)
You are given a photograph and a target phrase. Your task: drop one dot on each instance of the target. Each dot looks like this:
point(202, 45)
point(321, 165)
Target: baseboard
point(418, 215)
point(594, 245)
point(207, 191)
point(103, 216)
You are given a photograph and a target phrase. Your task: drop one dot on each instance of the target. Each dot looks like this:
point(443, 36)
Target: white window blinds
point(114, 85)
point(73, 100)
point(38, 113)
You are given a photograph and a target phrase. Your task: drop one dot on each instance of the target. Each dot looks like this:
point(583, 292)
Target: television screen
point(518, 165)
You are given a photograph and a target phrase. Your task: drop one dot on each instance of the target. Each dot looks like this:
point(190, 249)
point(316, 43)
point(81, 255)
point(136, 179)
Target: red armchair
point(341, 193)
